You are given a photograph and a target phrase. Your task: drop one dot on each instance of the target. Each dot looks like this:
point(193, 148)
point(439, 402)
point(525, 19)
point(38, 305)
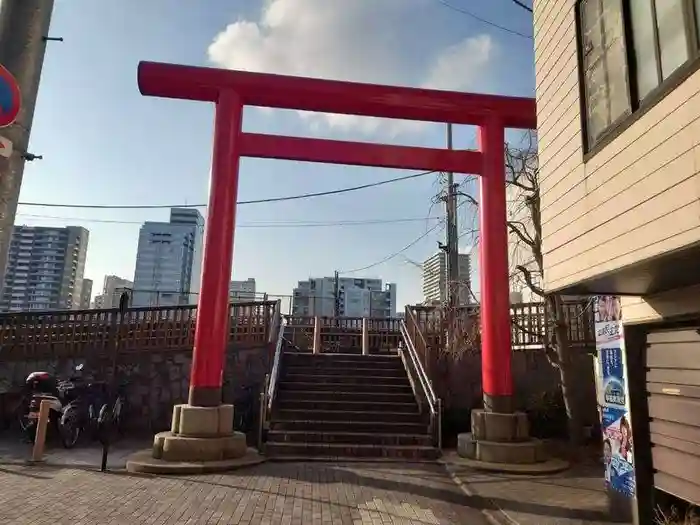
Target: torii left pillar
point(201, 432)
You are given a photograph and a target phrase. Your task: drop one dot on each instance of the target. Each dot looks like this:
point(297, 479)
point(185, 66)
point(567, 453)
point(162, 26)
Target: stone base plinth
point(500, 442)
point(201, 439)
point(144, 462)
point(530, 451)
point(173, 447)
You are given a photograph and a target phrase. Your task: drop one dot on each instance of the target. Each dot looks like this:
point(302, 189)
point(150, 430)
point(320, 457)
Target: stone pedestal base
point(500, 441)
point(201, 439)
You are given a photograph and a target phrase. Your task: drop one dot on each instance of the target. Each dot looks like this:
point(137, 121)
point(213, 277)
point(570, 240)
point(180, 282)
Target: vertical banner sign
point(613, 396)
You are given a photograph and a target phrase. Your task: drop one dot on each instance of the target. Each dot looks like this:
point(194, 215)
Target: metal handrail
point(276, 364)
point(434, 403)
point(267, 394)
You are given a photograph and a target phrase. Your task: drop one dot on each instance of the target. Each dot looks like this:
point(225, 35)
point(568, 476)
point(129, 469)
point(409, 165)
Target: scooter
point(66, 406)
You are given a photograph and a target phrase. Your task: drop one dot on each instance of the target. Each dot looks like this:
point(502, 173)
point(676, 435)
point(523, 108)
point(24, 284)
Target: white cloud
point(359, 40)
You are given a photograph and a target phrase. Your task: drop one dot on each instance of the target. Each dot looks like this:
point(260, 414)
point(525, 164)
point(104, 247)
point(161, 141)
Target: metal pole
point(336, 297)
point(24, 27)
point(452, 256)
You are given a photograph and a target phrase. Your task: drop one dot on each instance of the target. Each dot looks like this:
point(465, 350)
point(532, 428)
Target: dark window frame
point(637, 107)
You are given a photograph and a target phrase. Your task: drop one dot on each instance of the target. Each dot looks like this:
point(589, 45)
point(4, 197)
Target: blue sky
point(103, 143)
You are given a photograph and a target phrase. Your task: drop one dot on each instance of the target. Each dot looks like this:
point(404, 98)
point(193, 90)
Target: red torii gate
point(232, 90)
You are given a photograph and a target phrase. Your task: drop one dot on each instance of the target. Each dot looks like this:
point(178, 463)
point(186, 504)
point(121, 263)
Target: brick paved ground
point(272, 493)
point(574, 497)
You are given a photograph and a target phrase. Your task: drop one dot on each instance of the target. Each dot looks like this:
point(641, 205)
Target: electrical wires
point(395, 254)
point(483, 20)
point(257, 201)
point(269, 224)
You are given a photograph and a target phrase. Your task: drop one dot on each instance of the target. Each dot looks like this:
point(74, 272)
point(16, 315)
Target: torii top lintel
point(330, 96)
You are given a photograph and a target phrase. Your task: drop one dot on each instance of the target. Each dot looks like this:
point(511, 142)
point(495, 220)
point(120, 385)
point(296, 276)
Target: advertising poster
point(612, 396)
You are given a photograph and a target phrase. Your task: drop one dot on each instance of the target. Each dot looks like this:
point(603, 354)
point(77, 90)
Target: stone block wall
point(155, 381)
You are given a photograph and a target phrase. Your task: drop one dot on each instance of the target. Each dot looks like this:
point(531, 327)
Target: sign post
point(10, 98)
point(613, 403)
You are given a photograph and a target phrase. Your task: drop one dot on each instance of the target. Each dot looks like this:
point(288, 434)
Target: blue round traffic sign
point(10, 98)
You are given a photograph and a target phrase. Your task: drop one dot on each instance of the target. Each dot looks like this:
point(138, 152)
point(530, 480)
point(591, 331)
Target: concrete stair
point(335, 406)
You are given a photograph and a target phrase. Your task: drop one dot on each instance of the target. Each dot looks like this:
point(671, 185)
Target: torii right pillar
point(500, 438)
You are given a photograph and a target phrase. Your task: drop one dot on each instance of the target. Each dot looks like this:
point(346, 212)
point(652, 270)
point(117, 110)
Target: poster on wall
point(613, 397)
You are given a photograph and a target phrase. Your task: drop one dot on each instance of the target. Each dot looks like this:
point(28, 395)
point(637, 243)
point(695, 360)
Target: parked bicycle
point(75, 406)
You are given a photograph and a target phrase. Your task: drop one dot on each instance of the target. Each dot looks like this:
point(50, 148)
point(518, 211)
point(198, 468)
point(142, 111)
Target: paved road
point(272, 494)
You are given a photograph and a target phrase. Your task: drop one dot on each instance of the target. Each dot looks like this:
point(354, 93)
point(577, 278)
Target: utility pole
point(24, 28)
point(451, 248)
point(452, 239)
point(336, 296)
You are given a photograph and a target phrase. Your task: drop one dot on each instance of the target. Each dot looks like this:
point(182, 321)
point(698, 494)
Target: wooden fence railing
point(527, 329)
point(529, 322)
point(343, 334)
point(72, 333)
point(35, 335)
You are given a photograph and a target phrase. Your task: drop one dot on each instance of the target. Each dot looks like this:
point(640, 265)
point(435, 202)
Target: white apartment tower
point(355, 298)
point(45, 268)
point(169, 260)
point(435, 278)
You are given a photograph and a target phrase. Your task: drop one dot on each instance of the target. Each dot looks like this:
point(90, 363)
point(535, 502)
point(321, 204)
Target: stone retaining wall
point(155, 380)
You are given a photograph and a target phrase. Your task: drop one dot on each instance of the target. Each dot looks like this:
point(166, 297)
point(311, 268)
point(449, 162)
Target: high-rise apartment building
point(242, 290)
point(45, 268)
point(355, 298)
point(169, 260)
point(435, 278)
point(86, 294)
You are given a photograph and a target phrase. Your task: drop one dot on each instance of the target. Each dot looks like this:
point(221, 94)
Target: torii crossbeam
point(230, 91)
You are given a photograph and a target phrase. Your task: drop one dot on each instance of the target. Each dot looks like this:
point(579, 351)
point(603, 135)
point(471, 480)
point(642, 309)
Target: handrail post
point(263, 410)
point(317, 335)
point(365, 336)
point(439, 424)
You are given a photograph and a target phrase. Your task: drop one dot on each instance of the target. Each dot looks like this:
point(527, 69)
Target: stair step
point(349, 406)
point(362, 438)
point(345, 371)
point(341, 450)
point(347, 415)
point(377, 389)
point(370, 395)
point(344, 364)
point(337, 357)
point(380, 426)
point(357, 380)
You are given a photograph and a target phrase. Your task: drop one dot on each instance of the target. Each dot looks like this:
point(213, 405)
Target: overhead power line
point(395, 254)
point(483, 20)
point(402, 250)
point(285, 224)
point(257, 201)
point(524, 6)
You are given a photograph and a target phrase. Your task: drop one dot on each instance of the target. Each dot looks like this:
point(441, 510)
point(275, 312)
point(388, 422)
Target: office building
point(98, 302)
point(242, 291)
point(435, 278)
point(45, 268)
point(86, 294)
point(354, 298)
point(168, 260)
point(112, 283)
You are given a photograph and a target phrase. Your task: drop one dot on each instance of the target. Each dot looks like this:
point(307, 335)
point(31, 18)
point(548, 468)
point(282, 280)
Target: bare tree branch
point(527, 275)
point(518, 228)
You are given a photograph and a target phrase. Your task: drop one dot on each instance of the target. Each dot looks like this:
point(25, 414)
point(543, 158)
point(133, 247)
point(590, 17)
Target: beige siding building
point(618, 107)
point(620, 152)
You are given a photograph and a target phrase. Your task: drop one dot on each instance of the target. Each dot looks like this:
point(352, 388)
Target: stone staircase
point(331, 406)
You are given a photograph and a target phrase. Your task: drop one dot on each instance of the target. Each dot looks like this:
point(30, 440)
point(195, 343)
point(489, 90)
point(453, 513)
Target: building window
point(628, 48)
point(604, 65)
